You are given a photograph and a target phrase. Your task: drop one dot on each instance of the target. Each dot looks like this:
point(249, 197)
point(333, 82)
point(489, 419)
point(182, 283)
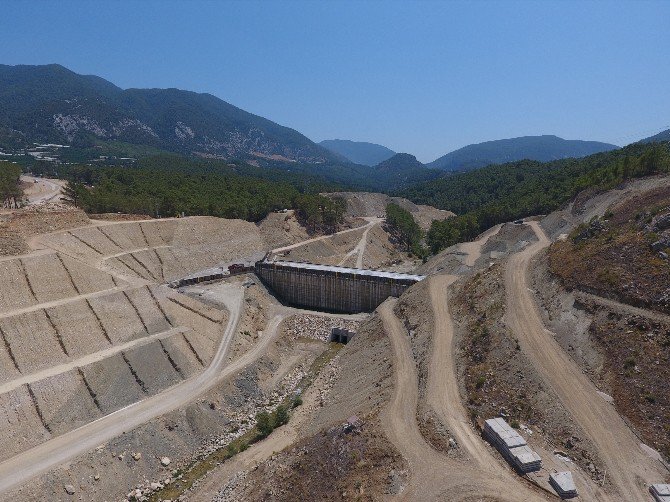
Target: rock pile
point(317, 327)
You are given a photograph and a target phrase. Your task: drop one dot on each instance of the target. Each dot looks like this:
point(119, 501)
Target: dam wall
point(330, 288)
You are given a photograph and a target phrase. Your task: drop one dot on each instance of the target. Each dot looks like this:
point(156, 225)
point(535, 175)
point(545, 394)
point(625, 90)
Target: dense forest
point(406, 229)
point(10, 190)
point(170, 192)
point(500, 193)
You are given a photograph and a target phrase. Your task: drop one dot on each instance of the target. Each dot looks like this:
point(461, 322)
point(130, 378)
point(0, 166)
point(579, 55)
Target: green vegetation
point(192, 189)
point(500, 193)
point(406, 228)
point(318, 212)
point(10, 190)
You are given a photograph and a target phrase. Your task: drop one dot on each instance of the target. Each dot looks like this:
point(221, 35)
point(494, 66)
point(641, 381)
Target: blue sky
point(418, 77)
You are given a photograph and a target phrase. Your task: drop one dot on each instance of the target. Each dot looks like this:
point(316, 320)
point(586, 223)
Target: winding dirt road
point(629, 469)
point(54, 452)
point(434, 476)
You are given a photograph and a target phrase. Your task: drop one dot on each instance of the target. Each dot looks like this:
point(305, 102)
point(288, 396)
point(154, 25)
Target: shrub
point(264, 424)
point(281, 416)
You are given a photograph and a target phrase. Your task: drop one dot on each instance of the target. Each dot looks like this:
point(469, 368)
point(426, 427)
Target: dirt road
point(42, 190)
point(433, 476)
point(622, 307)
point(280, 438)
point(360, 248)
point(48, 455)
point(629, 469)
point(473, 250)
point(371, 222)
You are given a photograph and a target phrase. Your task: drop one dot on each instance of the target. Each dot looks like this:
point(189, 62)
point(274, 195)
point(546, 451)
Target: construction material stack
point(660, 492)
point(511, 445)
point(563, 483)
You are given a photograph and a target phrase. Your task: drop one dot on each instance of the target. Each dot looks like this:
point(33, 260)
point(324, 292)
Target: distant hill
point(358, 152)
point(52, 104)
point(661, 136)
point(542, 148)
point(403, 170)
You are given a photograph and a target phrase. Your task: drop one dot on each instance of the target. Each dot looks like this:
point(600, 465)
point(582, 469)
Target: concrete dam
point(330, 288)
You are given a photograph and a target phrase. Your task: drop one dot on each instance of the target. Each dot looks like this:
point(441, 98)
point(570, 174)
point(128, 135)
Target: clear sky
point(418, 77)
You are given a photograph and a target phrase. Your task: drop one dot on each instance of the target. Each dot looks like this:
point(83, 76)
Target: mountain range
point(52, 104)
point(542, 148)
point(661, 136)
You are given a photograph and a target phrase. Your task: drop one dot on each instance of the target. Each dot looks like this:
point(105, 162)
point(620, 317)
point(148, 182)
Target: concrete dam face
point(332, 289)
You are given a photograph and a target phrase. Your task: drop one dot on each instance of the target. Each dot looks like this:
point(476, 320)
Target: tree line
point(501, 193)
point(171, 192)
point(406, 229)
point(10, 185)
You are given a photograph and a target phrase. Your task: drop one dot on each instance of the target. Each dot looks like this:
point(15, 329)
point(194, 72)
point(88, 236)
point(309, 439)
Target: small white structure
point(660, 492)
point(512, 445)
point(563, 483)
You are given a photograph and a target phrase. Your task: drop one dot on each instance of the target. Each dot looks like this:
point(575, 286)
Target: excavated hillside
point(366, 204)
point(618, 271)
point(118, 387)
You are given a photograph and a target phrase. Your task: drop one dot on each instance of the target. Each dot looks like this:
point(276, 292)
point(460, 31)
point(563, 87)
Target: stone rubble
point(317, 327)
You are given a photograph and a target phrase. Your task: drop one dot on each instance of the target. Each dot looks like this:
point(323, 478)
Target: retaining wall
point(332, 289)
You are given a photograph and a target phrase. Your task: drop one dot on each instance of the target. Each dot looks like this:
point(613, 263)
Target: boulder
point(69, 489)
point(165, 461)
point(661, 222)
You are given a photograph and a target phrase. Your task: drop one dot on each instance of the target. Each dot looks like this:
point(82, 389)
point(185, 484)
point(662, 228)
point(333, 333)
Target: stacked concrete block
point(660, 492)
point(511, 445)
point(563, 483)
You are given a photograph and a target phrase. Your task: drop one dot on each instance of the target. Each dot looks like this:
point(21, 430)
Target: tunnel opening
point(341, 335)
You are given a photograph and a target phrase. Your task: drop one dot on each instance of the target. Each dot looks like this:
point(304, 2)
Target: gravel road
point(629, 469)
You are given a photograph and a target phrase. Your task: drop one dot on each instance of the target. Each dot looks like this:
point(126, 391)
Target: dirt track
point(359, 250)
point(629, 469)
point(433, 476)
point(371, 222)
point(42, 190)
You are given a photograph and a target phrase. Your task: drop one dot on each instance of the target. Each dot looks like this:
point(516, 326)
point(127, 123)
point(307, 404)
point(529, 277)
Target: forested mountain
point(359, 152)
point(543, 148)
point(51, 104)
point(661, 136)
point(403, 170)
point(499, 193)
